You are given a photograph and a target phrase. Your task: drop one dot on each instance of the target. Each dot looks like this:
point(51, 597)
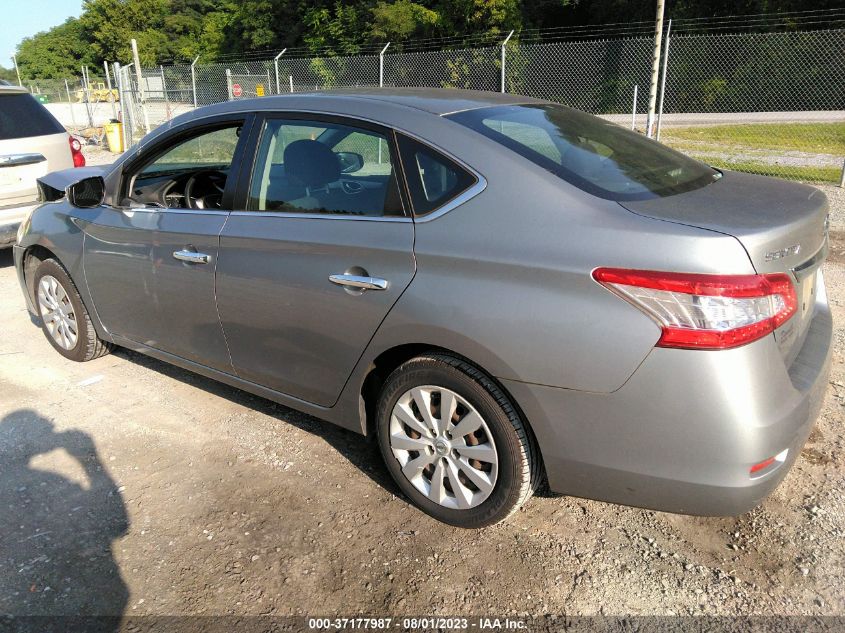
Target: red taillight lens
point(76, 152)
point(705, 311)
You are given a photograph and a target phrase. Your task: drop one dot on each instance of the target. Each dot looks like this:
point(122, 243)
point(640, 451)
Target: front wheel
point(454, 443)
point(64, 319)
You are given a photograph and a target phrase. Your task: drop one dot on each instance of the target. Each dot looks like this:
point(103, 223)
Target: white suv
point(32, 144)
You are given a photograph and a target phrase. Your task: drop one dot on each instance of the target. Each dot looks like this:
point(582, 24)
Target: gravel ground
point(129, 486)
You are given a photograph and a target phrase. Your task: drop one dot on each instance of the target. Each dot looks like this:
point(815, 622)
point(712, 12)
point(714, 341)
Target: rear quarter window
point(433, 179)
point(21, 116)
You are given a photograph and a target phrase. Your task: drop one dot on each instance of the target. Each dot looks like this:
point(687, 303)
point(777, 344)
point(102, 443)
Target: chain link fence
point(769, 103)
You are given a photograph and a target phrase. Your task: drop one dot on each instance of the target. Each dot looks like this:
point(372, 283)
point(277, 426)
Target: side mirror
point(87, 193)
point(350, 162)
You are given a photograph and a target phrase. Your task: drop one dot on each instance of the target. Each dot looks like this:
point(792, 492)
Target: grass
point(814, 138)
point(804, 173)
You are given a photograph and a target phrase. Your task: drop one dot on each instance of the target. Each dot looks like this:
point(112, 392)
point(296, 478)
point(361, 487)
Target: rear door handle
point(360, 282)
point(191, 257)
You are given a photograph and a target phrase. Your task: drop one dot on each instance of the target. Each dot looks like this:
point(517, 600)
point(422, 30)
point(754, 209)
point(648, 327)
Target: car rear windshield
point(595, 155)
point(21, 116)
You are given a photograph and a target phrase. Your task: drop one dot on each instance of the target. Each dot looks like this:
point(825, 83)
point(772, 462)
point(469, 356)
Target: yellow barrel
point(114, 137)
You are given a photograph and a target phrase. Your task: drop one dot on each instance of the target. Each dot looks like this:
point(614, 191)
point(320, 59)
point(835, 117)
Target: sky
point(22, 19)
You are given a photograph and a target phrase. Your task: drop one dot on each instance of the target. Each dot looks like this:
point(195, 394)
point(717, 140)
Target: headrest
point(311, 162)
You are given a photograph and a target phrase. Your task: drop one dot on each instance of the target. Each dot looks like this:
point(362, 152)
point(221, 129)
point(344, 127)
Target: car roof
point(9, 89)
point(437, 101)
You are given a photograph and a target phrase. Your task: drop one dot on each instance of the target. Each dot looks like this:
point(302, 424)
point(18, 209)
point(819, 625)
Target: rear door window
point(21, 116)
point(433, 179)
point(323, 167)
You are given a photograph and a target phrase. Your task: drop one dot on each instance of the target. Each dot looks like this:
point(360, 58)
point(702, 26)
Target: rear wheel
point(64, 319)
point(454, 443)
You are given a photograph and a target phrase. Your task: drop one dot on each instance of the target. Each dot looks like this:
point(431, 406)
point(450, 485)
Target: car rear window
point(21, 116)
point(595, 155)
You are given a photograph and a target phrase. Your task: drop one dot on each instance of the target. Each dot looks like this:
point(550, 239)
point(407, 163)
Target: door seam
point(216, 303)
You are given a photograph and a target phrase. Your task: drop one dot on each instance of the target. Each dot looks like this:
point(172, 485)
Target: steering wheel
point(211, 183)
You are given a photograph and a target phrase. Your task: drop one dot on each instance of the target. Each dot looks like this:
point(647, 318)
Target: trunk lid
point(782, 226)
point(23, 161)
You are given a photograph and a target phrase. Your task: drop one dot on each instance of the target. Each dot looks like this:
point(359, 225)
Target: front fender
point(52, 228)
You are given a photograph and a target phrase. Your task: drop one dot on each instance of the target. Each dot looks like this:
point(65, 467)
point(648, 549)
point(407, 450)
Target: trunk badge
point(784, 252)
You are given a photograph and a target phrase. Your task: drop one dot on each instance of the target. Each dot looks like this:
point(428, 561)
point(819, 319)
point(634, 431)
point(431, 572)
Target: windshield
point(595, 155)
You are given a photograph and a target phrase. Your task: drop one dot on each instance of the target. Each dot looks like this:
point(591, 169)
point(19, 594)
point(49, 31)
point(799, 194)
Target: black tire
point(519, 465)
point(88, 345)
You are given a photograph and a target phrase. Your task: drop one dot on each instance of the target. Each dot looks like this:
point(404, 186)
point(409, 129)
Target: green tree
point(8, 74)
point(58, 52)
point(338, 29)
point(403, 20)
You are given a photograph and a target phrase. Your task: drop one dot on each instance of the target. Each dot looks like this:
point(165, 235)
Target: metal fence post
point(663, 79)
point(842, 178)
point(504, 54)
point(111, 94)
point(137, 60)
point(86, 91)
point(70, 104)
point(229, 83)
point(291, 82)
point(634, 110)
point(125, 114)
point(164, 93)
point(194, 79)
point(276, 65)
point(381, 66)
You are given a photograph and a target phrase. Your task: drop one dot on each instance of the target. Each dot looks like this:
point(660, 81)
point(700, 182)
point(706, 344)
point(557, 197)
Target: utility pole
point(137, 60)
point(655, 70)
point(663, 78)
point(17, 70)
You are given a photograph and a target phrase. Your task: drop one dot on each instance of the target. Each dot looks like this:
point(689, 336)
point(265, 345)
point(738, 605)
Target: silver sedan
point(502, 291)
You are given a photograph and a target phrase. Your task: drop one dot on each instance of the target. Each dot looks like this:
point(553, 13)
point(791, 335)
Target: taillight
point(698, 311)
point(76, 152)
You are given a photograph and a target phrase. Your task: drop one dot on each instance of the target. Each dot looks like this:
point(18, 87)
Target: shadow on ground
point(57, 534)
point(362, 452)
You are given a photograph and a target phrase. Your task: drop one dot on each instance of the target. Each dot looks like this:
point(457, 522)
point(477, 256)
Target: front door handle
point(191, 257)
point(359, 282)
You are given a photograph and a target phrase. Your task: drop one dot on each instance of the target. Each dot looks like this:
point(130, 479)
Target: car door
point(150, 263)
point(322, 251)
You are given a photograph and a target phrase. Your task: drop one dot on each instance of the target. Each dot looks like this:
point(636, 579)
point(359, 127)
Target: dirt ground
point(129, 486)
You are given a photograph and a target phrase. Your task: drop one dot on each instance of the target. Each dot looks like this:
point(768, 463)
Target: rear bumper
point(10, 219)
point(682, 434)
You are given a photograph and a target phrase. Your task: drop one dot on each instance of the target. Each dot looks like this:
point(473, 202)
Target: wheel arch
point(36, 253)
point(387, 361)
point(33, 256)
